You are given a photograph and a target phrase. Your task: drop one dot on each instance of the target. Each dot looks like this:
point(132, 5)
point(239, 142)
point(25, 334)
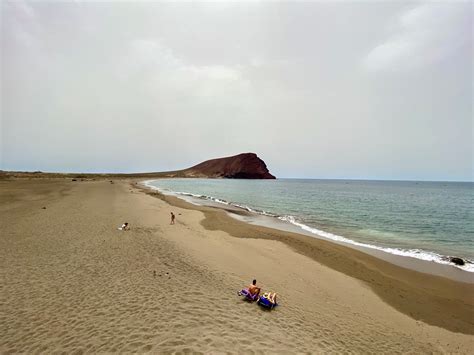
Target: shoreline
point(400, 257)
point(447, 270)
point(422, 296)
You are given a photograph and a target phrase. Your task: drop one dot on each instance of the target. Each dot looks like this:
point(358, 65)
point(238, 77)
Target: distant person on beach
point(125, 227)
point(172, 218)
point(254, 289)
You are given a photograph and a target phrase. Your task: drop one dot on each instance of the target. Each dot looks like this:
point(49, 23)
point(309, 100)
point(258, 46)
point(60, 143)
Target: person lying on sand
point(254, 289)
point(271, 296)
point(125, 227)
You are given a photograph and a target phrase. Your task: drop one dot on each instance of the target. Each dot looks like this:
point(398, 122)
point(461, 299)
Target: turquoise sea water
point(425, 220)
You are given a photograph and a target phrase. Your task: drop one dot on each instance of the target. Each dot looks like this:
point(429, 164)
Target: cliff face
point(242, 166)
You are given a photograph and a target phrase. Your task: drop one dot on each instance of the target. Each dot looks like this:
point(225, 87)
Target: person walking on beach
point(172, 218)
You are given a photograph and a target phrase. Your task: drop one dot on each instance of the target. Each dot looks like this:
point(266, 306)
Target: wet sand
point(72, 282)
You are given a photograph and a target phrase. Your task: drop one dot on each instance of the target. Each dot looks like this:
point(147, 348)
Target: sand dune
point(71, 282)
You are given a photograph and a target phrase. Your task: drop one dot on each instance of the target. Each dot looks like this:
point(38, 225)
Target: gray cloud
point(362, 90)
point(422, 35)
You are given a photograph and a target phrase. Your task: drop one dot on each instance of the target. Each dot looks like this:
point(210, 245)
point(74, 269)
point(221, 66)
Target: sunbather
point(125, 227)
point(254, 290)
point(272, 297)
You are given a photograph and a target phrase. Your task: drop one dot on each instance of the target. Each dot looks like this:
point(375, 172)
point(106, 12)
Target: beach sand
point(72, 282)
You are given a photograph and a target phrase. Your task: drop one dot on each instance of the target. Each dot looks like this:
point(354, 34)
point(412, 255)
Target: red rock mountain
point(242, 166)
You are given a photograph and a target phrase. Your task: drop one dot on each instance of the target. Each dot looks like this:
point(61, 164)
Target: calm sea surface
point(425, 220)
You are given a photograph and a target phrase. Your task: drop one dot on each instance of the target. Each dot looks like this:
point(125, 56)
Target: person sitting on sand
point(172, 218)
point(254, 290)
point(125, 227)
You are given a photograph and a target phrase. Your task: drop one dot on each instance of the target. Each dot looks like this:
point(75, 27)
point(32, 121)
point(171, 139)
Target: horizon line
point(281, 177)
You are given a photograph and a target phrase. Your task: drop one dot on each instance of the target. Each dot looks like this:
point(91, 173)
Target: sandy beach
point(72, 282)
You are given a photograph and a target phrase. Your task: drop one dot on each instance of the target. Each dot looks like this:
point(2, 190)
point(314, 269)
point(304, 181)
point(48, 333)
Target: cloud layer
point(423, 35)
point(361, 90)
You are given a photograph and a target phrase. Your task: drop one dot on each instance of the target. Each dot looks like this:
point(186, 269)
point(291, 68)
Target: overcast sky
point(326, 89)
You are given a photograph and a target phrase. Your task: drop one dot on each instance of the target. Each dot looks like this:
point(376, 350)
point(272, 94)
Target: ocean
point(423, 220)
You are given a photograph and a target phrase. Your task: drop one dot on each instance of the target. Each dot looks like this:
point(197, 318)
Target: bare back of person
point(254, 289)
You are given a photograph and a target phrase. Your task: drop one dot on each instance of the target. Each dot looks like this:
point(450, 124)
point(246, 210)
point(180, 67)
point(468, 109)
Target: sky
point(361, 90)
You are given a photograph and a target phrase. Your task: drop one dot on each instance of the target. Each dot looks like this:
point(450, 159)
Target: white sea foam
point(412, 253)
